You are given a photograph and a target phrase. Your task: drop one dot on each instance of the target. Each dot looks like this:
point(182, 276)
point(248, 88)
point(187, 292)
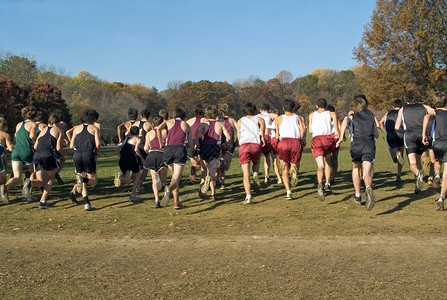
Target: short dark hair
point(223, 109)
point(288, 105)
point(397, 103)
point(439, 99)
point(164, 114)
point(145, 113)
point(412, 96)
point(60, 114)
point(40, 117)
point(53, 118)
point(265, 106)
point(134, 130)
point(363, 97)
point(198, 110)
point(90, 116)
point(322, 103)
point(132, 114)
point(179, 113)
point(330, 108)
point(359, 104)
point(249, 109)
point(157, 120)
point(211, 112)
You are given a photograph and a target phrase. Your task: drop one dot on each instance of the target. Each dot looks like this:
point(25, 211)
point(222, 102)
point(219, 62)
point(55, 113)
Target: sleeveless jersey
point(289, 127)
point(84, 140)
point(249, 131)
point(413, 116)
point(321, 123)
point(194, 127)
point(128, 149)
point(362, 126)
point(229, 127)
point(176, 135)
point(47, 144)
point(154, 144)
point(23, 140)
point(440, 126)
point(268, 122)
point(211, 137)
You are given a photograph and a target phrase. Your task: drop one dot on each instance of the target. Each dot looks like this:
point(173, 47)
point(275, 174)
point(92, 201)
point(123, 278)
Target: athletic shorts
point(175, 154)
point(154, 161)
point(85, 161)
point(267, 148)
point(440, 150)
point(413, 142)
point(229, 147)
point(23, 155)
point(210, 152)
point(290, 150)
point(47, 163)
point(394, 141)
point(274, 143)
point(249, 152)
point(129, 163)
point(322, 145)
point(363, 151)
point(192, 152)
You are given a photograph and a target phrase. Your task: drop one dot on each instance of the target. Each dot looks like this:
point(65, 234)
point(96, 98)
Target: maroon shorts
point(267, 148)
point(322, 145)
point(249, 152)
point(290, 150)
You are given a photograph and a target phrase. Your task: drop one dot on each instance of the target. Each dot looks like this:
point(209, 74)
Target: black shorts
point(175, 154)
point(47, 163)
point(129, 163)
point(192, 152)
point(209, 152)
point(394, 140)
point(154, 161)
point(413, 142)
point(363, 151)
point(229, 147)
point(85, 161)
point(440, 150)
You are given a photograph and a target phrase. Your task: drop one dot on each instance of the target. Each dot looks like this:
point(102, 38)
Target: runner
point(267, 149)
point(363, 132)
point(174, 155)
point(154, 160)
point(290, 130)
point(228, 145)
point(5, 145)
point(193, 154)
point(208, 141)
point(250, 149)
point(144, 127)
point(321, 123)
point(85, 141)
point(394, 139)
point(122, 129)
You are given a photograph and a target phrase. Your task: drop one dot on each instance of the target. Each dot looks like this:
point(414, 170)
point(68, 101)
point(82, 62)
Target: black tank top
point(84, 140)
point(363, 125)
point(440, 133)
point(413, 116)
point(142, 134)
point(127, 149)
point(47, 144)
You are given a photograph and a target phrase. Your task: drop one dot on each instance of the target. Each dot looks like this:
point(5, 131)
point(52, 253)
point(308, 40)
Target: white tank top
point(321, 123)
point(289, 127)
point(273, 131)
point(268, 122)
point(249, 131)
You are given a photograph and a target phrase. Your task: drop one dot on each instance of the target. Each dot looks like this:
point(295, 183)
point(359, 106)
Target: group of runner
point(209, 140)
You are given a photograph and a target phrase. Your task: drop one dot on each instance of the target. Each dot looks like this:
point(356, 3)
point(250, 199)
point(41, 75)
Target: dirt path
point(241, 267)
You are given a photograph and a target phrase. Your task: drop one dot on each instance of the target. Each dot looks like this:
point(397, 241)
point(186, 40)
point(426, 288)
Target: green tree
point(20, 69)
point(405, 39)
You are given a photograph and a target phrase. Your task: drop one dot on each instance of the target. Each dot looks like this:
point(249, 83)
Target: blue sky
point(154, 42)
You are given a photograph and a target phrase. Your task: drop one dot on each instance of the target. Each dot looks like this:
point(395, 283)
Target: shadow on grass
point(411, 198)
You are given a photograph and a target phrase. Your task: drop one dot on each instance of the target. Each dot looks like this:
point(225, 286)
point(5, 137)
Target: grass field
point(274, 248)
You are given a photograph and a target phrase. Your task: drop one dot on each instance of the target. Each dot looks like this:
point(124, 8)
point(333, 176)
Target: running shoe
point(266, 180)
point(31, 198)
point(4, 194)
point(419, 180)
point(257, 182)
point(88, 207)
point(45, 205)
point(206, 185)
point(440, 204)
point(327, 188)
point(165, 200)
point(400, 158)
point(117, 180)
point(134, 198)
point(358, 199)
point(157, 204)
point(26, 188)
point(140, 189)
point(320, 191)
point(78, 183)
point(178, 205)
point(73, 198)
point(288, 196)
point(247, 201)
point(436, 180)
point(294, 180)
point(369, 198)
point(279, 181)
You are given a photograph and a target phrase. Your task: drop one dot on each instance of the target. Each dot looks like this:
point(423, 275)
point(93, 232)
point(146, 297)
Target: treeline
point(24, 82)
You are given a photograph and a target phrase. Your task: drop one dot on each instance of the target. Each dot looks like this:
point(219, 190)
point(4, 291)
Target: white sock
point(357, 195)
